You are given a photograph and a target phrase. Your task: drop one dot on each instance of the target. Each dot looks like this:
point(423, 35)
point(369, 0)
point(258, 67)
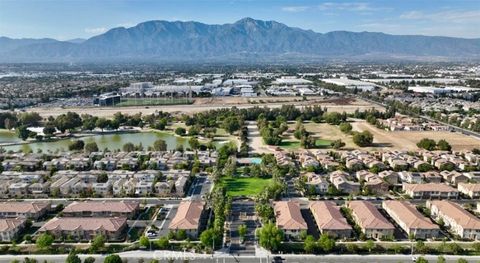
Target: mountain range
point(245, 40)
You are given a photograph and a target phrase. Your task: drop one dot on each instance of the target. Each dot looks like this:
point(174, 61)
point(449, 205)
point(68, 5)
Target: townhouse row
point(373, 223)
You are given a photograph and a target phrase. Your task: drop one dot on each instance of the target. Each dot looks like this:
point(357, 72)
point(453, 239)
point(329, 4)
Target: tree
point(144, 241)
point(68, 121)
point(231, 124)
point(160, 145)
point(114, 258)
point(73, 258)
point(102, 123)
point(427, 144)
point(397, 248)
point(163, 243)
point(370, 245)
point(420, 247)
point(447, 166)
point(309, 245)
point(363, 139)
point(352, 248)
point(30, 119)
point(242, 231)
point(345, 127)
point(89, 260)
point(476, 247)
point(102, 178)
point(441, 259)
point(98, 243)
point(424, 167)
point(337, 144)
point(44, 241)
point(462, 260)
point(270, 236)
point(181, 234)
point(180, 131)
point(23, 132)
point(334, 118)
point(128, 147)
point(443, 145)
point(49, 130)
point(454, 248)
point(326, 243)
point(210, 237)
point(89, 122)
point(91, 147)
point(193, 142)
point(421, 260)
point(76, 145)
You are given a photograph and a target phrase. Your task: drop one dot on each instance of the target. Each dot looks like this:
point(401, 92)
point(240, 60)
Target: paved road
point(243, 213)
point(200, 187)
point(166, 256)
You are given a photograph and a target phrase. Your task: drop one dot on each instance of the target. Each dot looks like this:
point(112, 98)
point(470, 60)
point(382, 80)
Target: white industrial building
point(352, 84)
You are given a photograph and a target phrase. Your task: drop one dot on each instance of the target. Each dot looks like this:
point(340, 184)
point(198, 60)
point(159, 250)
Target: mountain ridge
point(246, 39)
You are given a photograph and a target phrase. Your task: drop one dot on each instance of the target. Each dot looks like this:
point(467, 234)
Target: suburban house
point(372, 223)
point(460, 221)
point(29, 210)
point(339, 180)
point(454, 177)
point(86, 228)
point(188, 218)
point(289, 218)
point(430, 190)
point(10, 228)
point(128, 209)
point(317, 182)
point(329, 220)
point(410, 219)
point(471, 190)
point(390, 177)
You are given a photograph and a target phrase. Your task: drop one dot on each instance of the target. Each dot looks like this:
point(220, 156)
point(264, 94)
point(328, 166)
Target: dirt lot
point(330, 132)
point(203, 104)
point(407, 140)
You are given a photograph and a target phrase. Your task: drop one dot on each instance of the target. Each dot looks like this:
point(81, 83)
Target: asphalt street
point(165, 256)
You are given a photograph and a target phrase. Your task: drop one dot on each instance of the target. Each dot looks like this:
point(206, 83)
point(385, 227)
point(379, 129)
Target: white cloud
point(294, 9)
point(96, 30)
point(450, 16)
point(357, 7)
point(360, 7)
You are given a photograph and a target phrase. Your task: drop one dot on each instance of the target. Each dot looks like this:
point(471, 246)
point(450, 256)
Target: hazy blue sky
point(67, 19)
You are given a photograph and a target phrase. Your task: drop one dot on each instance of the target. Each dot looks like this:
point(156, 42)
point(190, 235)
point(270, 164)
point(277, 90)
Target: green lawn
point(153, 101)
point(321, 143)
point(290, 144)
point(247, 186)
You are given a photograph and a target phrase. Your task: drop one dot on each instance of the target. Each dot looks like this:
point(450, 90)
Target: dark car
point(277, 259)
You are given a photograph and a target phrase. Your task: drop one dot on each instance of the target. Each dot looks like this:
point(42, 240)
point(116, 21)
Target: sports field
point(244, 186)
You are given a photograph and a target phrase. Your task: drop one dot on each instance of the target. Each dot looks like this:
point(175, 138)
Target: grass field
point(289, 144)
point(246, 186)
point(321, 143)
point(153, 101)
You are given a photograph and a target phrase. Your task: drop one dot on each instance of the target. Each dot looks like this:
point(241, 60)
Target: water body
point(110, 141)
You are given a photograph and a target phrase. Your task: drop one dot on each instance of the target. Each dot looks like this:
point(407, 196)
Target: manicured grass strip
point(290, 144)
point(322, 143)
point(246, 186)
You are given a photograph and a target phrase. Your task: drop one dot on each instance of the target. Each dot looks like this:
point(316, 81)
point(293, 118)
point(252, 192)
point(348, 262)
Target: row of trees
point(271, 131)
point(431, 145)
